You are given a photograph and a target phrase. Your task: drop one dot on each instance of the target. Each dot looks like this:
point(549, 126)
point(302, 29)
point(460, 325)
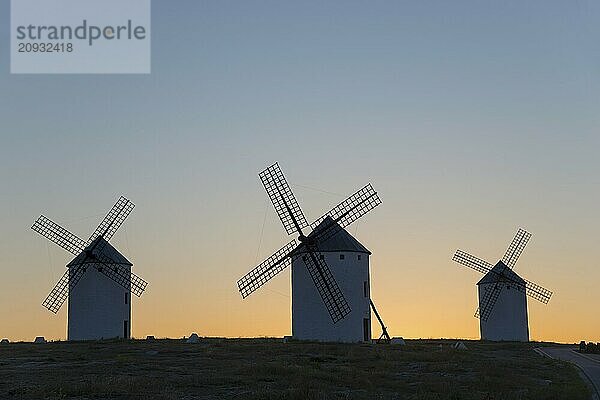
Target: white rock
point(193, 338)
point(398, 341)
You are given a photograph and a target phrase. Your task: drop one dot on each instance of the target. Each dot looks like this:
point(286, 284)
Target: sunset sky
point(471, 119)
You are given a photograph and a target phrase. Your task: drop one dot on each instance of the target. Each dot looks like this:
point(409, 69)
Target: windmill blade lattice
point(113, 220)
point(516, 248)
point(283, 199)
point(471, 261)
point(59, 235)
point(122, 276)
point(530, 289)
point(328, 289)
point(535, 291)
point(348, 211)
point(59, 294)
point(489, 301)
point(266, 270)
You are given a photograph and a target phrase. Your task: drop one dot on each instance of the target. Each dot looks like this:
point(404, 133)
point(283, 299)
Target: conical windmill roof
point(104, 248)
point(341, 241)
point(500, 272)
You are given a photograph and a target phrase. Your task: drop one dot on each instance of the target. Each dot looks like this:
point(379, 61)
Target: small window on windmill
point(322, 256)
point(303, 258)
point(359, 257)
point(365, 288)
point(125, 297)
point(342, 256)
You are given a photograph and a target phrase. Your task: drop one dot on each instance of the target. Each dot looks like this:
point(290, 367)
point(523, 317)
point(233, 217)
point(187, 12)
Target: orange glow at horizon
point(420, 293)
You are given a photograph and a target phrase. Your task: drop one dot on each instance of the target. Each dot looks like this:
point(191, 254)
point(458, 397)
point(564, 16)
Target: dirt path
point(588, 364)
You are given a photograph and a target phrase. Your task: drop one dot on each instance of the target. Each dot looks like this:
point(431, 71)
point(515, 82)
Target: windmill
point(321, 258)
point(100, 307)
point(502, 293)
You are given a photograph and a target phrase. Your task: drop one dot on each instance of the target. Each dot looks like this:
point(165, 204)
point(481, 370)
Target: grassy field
point(270, 369)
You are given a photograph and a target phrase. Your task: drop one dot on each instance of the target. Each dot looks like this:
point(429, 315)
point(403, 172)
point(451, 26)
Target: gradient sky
point(470, 118)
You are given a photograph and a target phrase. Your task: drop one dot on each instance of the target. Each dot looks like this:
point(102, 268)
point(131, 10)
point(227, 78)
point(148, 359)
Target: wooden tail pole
point(385, 337)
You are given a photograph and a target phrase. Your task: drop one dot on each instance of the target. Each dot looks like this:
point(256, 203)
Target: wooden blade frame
point(516, 247)
point(348, 211)
point(283, 200)
point(266, 270)
point(113, 220)
point(468, 260)
point(490, 298)
point(326, 285)
point(58, 235)
point(59, 294)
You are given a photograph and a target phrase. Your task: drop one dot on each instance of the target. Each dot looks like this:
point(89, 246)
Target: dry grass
point(269, 369)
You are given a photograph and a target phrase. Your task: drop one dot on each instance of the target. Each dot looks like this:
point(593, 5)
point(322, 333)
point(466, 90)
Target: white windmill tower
point(329, 265)
point(100, 306)
point(502, 293)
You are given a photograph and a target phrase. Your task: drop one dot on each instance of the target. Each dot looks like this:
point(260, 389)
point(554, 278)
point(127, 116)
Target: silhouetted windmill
point(328, 237)
point(509, 319)
point(98, 308)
